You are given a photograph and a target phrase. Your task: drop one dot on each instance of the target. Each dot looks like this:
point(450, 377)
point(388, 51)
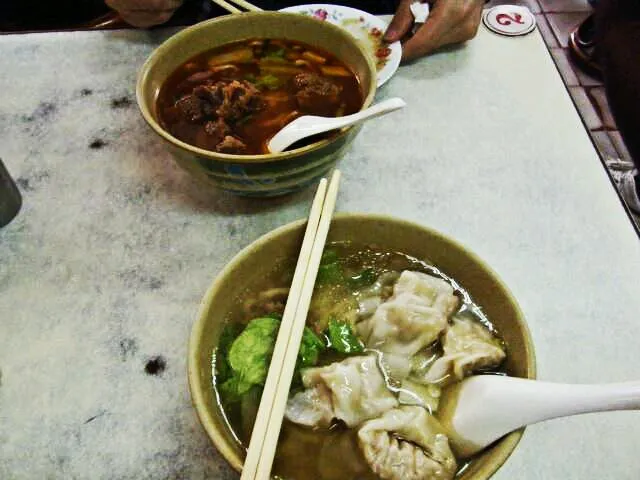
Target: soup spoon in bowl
point(308, 125)
point(483, 408)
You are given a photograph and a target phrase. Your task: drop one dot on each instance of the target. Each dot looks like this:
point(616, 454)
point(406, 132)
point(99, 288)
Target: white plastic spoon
point(307, 125)
point(481, 409)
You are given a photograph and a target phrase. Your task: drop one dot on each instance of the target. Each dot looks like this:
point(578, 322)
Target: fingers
point(401, 23)
point(144, 5)
point(146, 19)
point(428, 37)
point(145, 13)
point(450, 21)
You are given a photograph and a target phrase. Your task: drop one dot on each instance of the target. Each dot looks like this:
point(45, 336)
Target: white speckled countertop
point(102, 272)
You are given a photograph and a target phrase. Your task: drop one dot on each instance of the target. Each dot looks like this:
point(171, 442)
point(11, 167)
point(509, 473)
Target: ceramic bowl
point(390, 234)
point(254, 175)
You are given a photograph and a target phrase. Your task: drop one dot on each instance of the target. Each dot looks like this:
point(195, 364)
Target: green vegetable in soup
point(271, 67)
point(250, 352)
point(310, 349)
point(330, 270)
point(234, 389)
point(268, 82)
point(330, 273)
point(276, 53)
point(248, 358)
point(342, 337)
point(228, 335)
point(329, 255)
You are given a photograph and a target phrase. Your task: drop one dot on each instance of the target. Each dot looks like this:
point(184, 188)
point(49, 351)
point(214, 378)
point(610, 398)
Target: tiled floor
point(555, 20)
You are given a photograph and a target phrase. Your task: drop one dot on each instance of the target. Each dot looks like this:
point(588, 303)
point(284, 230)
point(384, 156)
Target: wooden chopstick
point(241, 3)
point(227, 6)
point(264, 411)
point(295, 336)
point(247, 5)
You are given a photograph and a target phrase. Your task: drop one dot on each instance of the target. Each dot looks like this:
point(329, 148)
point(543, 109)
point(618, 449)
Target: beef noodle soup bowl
point(217, 91)
point(399, 311)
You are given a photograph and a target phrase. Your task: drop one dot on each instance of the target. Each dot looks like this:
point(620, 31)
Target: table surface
point(103, 270)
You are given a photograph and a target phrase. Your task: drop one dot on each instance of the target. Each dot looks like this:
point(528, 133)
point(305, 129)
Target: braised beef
point(239, 99)
point(302, 80)
point(229, 100)
point(231, 145)
point(211, 96)
point(316, 95)
point(218, 105)
point(191, 108)
point(217, 129)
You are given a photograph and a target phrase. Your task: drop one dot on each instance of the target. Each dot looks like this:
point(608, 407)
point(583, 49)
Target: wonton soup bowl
point(389, 234)
point(254, 175)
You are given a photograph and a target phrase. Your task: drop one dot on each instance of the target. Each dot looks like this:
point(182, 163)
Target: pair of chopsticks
point(230, 7)
point(266, 430)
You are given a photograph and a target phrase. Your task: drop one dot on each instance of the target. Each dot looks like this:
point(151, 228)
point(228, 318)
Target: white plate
point(367, 28)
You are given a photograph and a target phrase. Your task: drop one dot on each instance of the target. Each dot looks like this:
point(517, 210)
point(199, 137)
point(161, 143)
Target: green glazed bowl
point(254, 175)
point(387, 233)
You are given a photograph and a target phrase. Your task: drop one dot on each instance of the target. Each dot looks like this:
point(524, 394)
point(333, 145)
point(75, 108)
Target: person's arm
point(449, 22)
point(145, 13)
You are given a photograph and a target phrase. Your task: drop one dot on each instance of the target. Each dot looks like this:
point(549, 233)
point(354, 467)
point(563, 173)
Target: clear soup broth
point(357, 286)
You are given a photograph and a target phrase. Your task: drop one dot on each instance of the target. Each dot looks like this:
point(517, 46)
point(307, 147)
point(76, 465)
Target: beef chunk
point(211, 96)
point(307, 79)
point(191, 108)
point(316, 95)
point(214, 108)
point(239, 99)
point(231, 145)
point(217, 130)
point(228, 100)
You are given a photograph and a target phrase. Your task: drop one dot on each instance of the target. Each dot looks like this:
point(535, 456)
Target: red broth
point(234, 98)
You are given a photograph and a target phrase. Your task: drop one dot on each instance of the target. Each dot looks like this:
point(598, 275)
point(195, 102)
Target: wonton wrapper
point(413, 318)
point(435, 291)
point(407, 443)
point(468, 346)
point(353, 391)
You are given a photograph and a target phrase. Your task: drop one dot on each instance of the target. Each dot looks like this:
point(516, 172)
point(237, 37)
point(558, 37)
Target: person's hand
point(450, 21)
point(145, 13)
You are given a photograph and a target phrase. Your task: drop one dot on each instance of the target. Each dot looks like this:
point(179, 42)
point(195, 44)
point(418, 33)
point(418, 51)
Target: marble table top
point(102, 272)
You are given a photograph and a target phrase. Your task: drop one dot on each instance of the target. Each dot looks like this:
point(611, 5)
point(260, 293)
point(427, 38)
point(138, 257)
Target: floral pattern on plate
point(367, 28)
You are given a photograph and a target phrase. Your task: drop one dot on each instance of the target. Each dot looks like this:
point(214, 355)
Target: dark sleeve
point(45, 14)
point(618, 51)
